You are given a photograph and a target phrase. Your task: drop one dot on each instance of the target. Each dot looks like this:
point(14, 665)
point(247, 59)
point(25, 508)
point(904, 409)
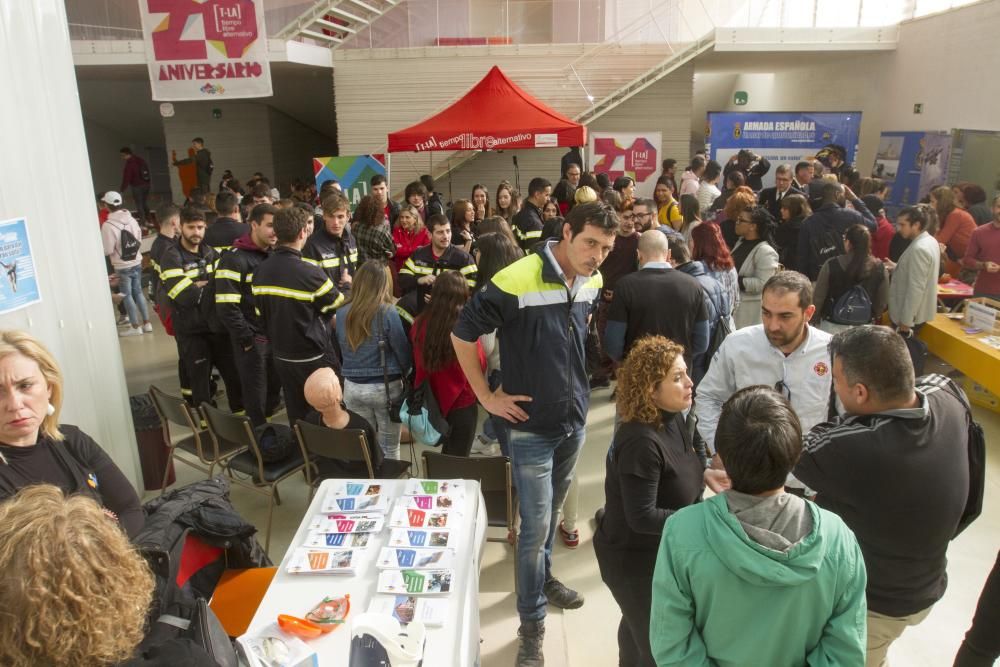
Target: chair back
point(349, 444)
point(492, 472)
point(231, 432)
point(175, 410)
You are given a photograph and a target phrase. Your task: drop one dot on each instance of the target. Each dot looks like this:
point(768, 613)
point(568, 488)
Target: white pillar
point(45, 178)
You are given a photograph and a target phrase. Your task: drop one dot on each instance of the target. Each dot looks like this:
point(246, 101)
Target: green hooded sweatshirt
point(720, 598)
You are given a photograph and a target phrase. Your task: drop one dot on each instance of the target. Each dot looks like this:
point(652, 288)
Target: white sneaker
point(482, 446)
point(147, 327)
point(131, 331)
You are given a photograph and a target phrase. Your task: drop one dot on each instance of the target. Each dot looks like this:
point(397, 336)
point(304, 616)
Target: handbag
point(422, 416)
point(392, 406)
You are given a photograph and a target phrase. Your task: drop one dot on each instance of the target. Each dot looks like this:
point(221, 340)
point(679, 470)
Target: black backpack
point(852, 307)
point(128, 244)
point(824, 244)
point(977, 466)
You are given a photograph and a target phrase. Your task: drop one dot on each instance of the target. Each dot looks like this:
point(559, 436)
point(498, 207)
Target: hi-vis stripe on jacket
point(234, 301)
point(295, 301)
point(423, 263)
point(543, 329)
point(180, 272)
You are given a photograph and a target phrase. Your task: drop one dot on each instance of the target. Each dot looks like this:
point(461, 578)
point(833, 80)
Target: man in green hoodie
point(754, 575)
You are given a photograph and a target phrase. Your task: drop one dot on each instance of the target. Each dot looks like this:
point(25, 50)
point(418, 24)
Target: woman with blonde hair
point(376, 352)
point(36, 449)
point(655, 467)
point(408, 234)
point(584, 195)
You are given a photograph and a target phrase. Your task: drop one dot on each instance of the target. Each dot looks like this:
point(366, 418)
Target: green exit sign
point(740, 98)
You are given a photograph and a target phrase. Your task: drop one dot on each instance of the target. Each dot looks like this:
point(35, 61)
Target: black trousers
point(629, 577)
point(463, 430)
point(258, 379)
point(293, 376)
point(199, 353)
point(981, 647)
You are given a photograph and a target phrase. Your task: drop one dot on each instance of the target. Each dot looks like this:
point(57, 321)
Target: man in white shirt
point(783, 352)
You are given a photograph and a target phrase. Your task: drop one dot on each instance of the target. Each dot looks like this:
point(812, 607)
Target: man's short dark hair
point(166, 212)
point(876, 357)
point(791, 281)
point(199, 140)
point(603, 180)
point(802, 164)
point(126, 150)
point(759, 439)
point(226, 202)
point(645, 201)
point(328, 186)
point(415, 188)
point(196, 193)
point(437, 220)
point(680, 253)
point(831, 191)
point(669, 163)
point(261, 190)
point(289, 223)
point(537, 185)
point(428, 182)
point(596, 214)
point(378, 179)
point(922, 215)
point(258, 212)
point(712, 170)
point(192, 214)
point(697, 162)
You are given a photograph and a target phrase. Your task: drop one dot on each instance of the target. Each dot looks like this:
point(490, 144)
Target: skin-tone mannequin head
point(322, 391)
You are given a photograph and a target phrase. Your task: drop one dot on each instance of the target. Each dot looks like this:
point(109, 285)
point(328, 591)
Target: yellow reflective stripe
point(256, 310)
point(270, 290)
point(228, 298)
point(156, 267)
point(471, 283)
point(404, 314)
point(222, 248)
point(409, 267)
point(182, 285)
point(193, 273)
point(228, 275)
point(330, 262)
point(466, 270)
point(335, 305)
point(532, 235)
point(248, 278)
point(171, 273)
point(324, 288)
point(354, 256)
point(310, 260)
point(210, 266)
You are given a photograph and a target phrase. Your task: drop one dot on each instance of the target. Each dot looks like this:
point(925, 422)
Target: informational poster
point(781, 137)
point(353, 172)
point(210, 50)
point(912, 163)
point(633, 154)
point(19, 285)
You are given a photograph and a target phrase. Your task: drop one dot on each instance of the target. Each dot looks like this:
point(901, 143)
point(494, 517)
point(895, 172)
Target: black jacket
point(753, 173)
point(179, 271)
point(332, 253)
point(832, 220)
point(423, 263)
point(221, 233)
point(295, 300)
point(768, 198)
point(234, 302)
point(528, 226)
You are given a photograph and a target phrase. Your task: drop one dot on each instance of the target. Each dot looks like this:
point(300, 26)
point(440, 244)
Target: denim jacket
point(364, 363)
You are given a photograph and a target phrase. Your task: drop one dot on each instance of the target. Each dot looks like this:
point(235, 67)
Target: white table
point(455, 643)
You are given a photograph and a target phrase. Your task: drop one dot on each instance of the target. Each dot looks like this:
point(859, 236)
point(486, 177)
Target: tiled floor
point(587, 636)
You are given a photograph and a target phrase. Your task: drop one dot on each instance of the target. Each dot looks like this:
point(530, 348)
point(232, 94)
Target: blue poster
point(781, 137)
point(19, 285)
point(353, 172)
point(912, 163)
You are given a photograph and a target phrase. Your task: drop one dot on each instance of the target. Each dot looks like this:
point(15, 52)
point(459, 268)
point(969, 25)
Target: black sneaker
point(560, 596)
point(529, 649)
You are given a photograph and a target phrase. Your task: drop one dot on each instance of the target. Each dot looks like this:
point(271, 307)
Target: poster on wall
point(781, 137)
point(353, 172)
point(216, 49)
point(19, 285)
point(633, 154)
point(911, 163)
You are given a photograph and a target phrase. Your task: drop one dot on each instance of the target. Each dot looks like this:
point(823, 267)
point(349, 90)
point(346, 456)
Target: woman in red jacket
point(434, 359)
point(409, 234)
point(955, 231)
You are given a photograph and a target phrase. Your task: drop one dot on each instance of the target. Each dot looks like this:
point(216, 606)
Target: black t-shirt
point(658, 301)
point(340, 469)
point(75, 465)
point(651, 473)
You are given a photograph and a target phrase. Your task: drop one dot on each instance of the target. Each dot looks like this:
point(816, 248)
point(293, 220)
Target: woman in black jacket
point(794, 211)
point(655, 466)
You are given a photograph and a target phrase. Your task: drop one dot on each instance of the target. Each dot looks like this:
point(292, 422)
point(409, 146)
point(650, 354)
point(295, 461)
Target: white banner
point(215, 49)
point(635, 154)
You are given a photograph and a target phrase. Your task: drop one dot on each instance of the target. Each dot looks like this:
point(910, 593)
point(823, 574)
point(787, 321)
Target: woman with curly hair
point(741, 199)
point(756, 260)
point(74, 591)
point(372, 232)
point(654, 468)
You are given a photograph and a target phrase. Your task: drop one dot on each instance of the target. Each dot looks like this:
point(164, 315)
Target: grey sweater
point(777, 522)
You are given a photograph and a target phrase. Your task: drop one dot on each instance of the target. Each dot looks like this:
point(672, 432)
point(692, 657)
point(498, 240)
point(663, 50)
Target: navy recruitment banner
point(781, 137)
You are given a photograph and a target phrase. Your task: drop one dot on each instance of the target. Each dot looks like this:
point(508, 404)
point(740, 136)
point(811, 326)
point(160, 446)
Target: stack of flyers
point(415, 559)
point(423, 502)
point(357, 489)
point(378, 504)
point(415, 537)
point(348, 524)
point(434, 487)
point(409, 608)
point(417, 518)
point(414, 582)
point(345, 540)
point(306, 560)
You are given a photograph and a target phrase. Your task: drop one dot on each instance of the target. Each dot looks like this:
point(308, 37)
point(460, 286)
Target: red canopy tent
point(494, 114)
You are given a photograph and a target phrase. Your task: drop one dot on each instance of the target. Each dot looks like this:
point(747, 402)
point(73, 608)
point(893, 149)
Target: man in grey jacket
point(913, 289)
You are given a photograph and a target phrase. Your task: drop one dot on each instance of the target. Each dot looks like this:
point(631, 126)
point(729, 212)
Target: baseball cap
point(112, 198)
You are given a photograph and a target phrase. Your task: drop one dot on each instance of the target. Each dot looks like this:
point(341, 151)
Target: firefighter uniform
point(423, 262)
point(333, 254)
point(234, 306)
point(201, 341)
point(295, 301)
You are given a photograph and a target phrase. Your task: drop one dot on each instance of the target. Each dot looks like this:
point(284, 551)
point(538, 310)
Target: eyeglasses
point(783, 389)
point(641, 215)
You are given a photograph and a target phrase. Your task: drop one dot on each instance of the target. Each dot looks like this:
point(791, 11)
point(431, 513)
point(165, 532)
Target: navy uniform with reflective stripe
point(423, 263)
point(528, 226)
point(332, 254)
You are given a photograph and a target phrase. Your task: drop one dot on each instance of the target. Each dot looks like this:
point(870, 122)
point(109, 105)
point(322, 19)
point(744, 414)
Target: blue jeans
point(497, 428)
point(543, 468)
point(130, 286)
point(368, 400)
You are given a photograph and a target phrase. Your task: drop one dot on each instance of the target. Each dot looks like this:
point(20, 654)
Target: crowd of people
point(745, 328)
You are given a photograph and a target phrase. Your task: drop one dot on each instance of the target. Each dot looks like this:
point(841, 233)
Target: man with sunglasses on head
point(783, 352)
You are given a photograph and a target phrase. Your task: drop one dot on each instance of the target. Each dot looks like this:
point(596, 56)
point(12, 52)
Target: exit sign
point(740, 98)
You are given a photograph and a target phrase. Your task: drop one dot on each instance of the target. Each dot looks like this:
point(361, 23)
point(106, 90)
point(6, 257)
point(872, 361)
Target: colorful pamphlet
point(415, 559)
point(434, 487)
point(345, 540)
point(403, 517)
point(307, 560)
point(414, 582)
point(324, 524)
point(449, 503)
point(420, 537)
point(357, 488)
point(378, 504)
point(408, 608)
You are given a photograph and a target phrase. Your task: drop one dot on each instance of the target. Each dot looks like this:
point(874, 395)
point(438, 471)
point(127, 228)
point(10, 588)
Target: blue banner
point(911, 163)
point(19, 286)
point(781, 137)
